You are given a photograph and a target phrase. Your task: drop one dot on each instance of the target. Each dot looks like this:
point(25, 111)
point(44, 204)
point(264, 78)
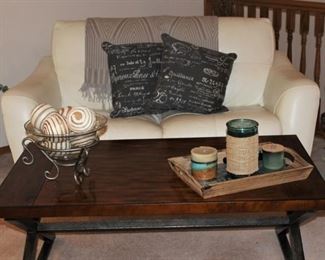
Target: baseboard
point(4, 150)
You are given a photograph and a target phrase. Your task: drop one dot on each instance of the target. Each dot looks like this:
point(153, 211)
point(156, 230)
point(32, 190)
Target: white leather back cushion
point(252, 39)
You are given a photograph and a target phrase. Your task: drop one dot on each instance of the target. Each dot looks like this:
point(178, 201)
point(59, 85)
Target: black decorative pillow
point(134, 70)
point(192, 79)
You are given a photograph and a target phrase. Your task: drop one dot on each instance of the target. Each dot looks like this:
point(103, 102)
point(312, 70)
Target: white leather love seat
point(263, 86)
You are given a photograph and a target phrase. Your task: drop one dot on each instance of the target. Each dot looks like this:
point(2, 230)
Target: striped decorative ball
point(84, 140)
point(56, 146)
point(81, 119)
point(63, 111)
point(55, 124)
point(40, 113)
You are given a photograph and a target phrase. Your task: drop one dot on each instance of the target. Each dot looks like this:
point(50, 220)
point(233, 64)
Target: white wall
point(26, 26)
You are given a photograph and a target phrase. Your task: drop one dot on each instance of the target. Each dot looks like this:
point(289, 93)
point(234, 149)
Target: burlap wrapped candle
point(242, 147)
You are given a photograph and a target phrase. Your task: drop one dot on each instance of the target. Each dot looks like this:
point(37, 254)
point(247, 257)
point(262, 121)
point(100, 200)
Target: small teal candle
point(273, 156)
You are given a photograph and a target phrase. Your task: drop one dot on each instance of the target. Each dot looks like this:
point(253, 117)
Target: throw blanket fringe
point(96, 86)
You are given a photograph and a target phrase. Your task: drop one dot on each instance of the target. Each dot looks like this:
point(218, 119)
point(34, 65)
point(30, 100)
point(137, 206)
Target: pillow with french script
point(134, 70)
point(192, 78)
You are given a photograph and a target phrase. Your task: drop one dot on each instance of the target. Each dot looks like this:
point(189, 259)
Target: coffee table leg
point(32, 236)
point(296, 242)
point(284, 243)
point(47, 246)
point(293, 250)
point(30, 245)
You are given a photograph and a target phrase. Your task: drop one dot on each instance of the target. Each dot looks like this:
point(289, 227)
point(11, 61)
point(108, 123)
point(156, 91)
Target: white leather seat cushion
point(138, 127)
point(197, 125)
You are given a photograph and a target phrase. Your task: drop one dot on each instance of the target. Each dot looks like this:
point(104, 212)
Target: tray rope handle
point(185, 176)
point(297, 161)
point(176, 168)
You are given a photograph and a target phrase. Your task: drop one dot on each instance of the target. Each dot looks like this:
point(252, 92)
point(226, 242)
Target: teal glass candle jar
point(242, 146)
point(242, 128)
point(273, 156)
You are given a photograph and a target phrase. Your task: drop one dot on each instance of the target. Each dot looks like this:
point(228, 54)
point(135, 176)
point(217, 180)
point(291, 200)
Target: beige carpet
point(245, 244)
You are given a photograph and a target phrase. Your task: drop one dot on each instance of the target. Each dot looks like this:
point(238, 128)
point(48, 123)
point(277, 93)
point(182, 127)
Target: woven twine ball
point(63, 111)
point(40, 113)
point(57, 146)
point(56, 125)
point(81, 119)
point(83, 140)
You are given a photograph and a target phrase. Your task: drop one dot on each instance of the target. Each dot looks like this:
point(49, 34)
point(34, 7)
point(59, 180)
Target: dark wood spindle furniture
point(291, 8)
point(277, 22)
point(304, 28)
point(319, 32)
point(290, 29)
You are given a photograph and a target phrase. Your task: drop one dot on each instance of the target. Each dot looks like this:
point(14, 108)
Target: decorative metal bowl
point(64, 150)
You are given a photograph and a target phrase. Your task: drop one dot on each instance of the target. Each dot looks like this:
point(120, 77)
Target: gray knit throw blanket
point(202, 31)
point(96, 86)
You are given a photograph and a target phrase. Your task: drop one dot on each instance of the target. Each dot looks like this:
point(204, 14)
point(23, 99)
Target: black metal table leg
point(284, 243)
point(32, 236)
point(296, 242)
point(47, 246)
point(30, 246)
point(293, 250)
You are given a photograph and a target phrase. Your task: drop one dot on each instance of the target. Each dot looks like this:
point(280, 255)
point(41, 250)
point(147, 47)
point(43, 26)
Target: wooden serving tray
point(296, 168)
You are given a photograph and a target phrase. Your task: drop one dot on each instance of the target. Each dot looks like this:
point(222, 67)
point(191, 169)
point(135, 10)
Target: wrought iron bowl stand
point(71, 157)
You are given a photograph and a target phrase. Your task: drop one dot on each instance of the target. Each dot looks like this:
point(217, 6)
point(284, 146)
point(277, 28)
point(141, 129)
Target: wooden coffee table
point(131, 187)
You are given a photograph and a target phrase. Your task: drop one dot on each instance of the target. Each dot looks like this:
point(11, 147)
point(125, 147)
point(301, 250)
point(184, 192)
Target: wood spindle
point(238, 10)
point(222, 7)
point(304, 29)
point(319, 32)
point(290, 26)
point(277, 20)
point(234, 9)
point(264, 12)
point(251, 11)
point(208, 7)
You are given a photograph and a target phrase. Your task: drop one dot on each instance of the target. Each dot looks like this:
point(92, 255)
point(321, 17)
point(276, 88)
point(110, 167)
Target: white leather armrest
point(40, 87)
point(294, 99)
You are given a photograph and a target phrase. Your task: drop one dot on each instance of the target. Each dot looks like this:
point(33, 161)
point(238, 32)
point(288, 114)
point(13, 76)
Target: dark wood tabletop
point(133, 178)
